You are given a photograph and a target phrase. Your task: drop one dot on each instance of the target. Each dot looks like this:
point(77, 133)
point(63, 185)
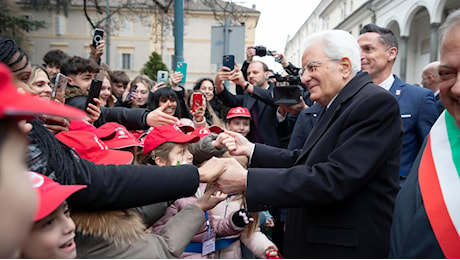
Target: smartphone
point(94, 91)
point(182, 68)
point(131, 93)
point(197, 100)
point(162, 76)
point(98, 36)
point(229, 61)
point(60, 84)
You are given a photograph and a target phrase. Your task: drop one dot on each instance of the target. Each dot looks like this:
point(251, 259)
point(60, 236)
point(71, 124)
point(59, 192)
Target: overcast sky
point(278, 19)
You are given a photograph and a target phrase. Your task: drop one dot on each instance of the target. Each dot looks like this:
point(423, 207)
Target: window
point(126, 61)
point(59, 25)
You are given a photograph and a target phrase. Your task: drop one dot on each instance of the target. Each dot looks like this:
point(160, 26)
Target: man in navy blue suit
point(417, 105)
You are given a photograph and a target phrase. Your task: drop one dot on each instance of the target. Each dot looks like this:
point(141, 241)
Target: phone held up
point(197, 101)
point(94, 91)
point(229, 61)
point(60, 84)
point(131, 93)
point(182, 68)
point(98, 36)
point(162, 76)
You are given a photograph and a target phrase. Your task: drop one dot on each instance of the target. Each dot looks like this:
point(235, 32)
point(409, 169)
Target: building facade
point(134, 35)
point(415, 22)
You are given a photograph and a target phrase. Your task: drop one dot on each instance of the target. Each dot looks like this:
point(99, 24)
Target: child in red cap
point(239, 120)
point(53, 231)
point(168, 146)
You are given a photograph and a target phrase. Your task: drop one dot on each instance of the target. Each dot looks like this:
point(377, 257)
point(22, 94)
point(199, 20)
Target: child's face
point(82, 80)
point(18, 199)
point(52, 236)
point(142, 94)
point(106, 90)
point(180, 153)
point(118, 89)
point(240, 125)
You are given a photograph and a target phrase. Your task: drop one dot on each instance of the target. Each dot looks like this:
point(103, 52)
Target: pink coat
point(222, 226)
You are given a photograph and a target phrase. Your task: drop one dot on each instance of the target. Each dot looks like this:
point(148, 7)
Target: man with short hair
point(379, 48)
point(425, 223)
point(257, 97)
point(340, 187)
point(53, 60)
point(430, 80)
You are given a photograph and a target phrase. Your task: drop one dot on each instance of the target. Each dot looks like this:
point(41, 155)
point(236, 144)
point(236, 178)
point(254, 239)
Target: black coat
point(341, 187)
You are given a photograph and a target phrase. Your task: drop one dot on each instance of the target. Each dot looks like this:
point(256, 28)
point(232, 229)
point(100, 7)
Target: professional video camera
point(262, 51)
point(288, 89)
point(288, 80)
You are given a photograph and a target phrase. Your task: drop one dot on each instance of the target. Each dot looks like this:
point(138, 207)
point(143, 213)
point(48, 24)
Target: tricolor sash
point(440, 183)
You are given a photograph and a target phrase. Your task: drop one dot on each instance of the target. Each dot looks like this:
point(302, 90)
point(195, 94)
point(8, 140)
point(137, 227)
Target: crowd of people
point(365, 165)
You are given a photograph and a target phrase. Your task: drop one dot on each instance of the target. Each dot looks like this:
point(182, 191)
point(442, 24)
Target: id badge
point(209, 243)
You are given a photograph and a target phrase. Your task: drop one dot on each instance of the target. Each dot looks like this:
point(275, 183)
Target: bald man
point(430, 80)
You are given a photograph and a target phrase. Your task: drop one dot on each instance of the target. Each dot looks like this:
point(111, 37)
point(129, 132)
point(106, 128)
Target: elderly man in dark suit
point(340, 188)
point(379, 48)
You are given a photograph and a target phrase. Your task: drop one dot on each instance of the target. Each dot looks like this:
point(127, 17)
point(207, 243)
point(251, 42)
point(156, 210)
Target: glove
point(241, 218)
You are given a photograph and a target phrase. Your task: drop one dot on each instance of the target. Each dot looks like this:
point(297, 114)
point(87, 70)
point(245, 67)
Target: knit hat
point(238, 112)
point(91, 148)
point(15, 104)
point(116, 136)
point(167, 133)
point(50, 193)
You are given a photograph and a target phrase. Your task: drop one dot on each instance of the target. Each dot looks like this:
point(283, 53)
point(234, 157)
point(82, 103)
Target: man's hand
point(211, 169)
point(293, 109)
point(235, 143)
point(233, 178)
point(223, 74)
point(55, 124)
point(158, 118)
point(97, 52)
point(94, 112)
point(250, 53)
point(237, 76)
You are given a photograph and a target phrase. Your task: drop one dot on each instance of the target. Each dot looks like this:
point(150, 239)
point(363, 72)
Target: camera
point(288, 89)
point(262, 51)
point(98, 36)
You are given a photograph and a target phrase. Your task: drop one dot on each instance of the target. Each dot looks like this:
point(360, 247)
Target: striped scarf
point(439, 181)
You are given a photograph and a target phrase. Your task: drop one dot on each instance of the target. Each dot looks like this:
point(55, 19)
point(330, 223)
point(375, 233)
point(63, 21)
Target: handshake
point(227, 174)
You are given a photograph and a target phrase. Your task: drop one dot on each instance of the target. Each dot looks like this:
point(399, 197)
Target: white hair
point(337, 44)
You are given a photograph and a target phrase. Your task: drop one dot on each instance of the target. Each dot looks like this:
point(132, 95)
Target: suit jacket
point(418, 113)
point(340, 188)
point(269, 128)
point(411, 232)
point(305, 122)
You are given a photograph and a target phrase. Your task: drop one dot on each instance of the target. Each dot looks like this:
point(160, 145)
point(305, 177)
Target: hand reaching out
point(158, 118)
point(94, 112)
point(236, 143)
point(210, 199)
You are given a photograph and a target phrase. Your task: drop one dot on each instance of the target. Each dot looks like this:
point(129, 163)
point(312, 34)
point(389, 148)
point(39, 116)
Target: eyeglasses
point(312, 66)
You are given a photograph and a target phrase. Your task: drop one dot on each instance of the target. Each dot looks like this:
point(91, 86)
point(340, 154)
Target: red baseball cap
point(116, 136)
point(91, 148)
point(15, 104)
point(186, 125)
point(203, 131)
point(81, 125)
point(50, 193)
point(238, 112)
point(167, 133)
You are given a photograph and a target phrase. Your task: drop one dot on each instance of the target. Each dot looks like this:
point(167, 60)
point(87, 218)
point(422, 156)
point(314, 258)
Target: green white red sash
point(440, 183)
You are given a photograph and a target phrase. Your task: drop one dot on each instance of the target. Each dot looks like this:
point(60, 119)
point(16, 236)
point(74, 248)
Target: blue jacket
point(418, 113)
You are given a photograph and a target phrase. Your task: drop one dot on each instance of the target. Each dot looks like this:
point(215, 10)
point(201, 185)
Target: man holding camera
point(257, 97)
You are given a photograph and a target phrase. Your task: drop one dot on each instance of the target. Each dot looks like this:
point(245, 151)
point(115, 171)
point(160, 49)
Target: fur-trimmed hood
point(74, 91)
point(116, 226)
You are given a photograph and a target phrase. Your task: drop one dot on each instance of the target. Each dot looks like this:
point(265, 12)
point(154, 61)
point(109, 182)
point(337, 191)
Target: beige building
point(414, 22)
point(134, 36)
